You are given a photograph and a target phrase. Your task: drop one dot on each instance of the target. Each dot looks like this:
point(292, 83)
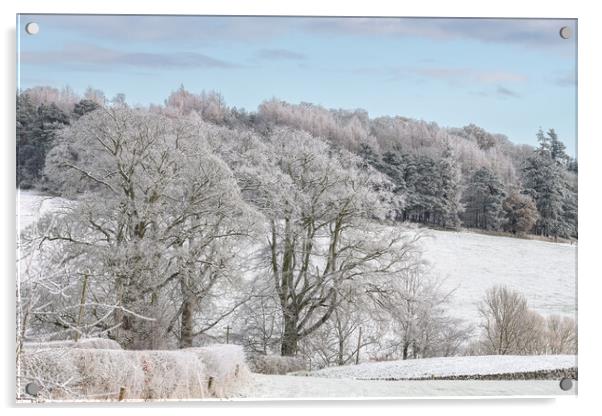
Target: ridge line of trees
point(442, 177)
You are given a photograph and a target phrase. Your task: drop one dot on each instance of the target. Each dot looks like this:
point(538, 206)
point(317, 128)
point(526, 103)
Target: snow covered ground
point(31, 205)
point(289, 387)
point(449, 366)
point(544, 272)
point(367, 380)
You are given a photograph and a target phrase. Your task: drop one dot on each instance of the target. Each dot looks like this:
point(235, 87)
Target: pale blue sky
point(509, 76)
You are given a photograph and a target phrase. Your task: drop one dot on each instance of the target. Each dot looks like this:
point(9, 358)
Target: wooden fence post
point(121, 394)
point(82, 302)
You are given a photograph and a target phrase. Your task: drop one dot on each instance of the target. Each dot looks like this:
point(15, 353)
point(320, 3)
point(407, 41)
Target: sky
point(509, 76)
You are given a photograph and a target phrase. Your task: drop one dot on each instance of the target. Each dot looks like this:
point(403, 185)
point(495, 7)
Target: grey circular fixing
point(32, 28)
point(32, 389)
point(566, 384)
point(565, 32)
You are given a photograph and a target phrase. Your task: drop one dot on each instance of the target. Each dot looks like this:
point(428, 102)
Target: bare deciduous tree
point(510, 327)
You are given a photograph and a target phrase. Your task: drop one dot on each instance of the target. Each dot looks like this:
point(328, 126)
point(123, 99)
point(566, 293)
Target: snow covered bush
point(96, 374)
point(225, 368)
point(275, 364)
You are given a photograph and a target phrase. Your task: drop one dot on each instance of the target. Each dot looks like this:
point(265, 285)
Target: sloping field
point(545, 272)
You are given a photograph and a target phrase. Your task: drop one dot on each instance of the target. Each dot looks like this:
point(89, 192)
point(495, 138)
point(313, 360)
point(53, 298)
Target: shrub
point(275, 364)
point(68, 372)
point(225, 366)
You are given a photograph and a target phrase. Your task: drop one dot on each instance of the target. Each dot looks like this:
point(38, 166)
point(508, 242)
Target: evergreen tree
point(569, 208)
point(368, 155)
point(423, 182)
point(36, 129)
point(448, 201)
point(84, 107)
point(557, 148)
point(483, 200)
point(544, 181)
point(26, 115)
point(394, 166)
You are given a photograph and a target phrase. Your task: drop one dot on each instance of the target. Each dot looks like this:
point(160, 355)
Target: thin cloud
point(500, 92)
point(453, 75)
point(280, 54)
point(82, 56)
point(528, 32)
point(183, 30)
point(467, 74)
point(565, 81)
point(506, 92)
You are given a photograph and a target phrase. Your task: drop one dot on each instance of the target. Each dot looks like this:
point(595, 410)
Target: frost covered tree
point(561, 335)
point(413, 309)
point(482, 200)
point(347, 337)
point(209, 105)
point(259, 320)
point(510, 327)
point(545, 181)
point(504, 314)
point(318, 203)
point(347, 129)
point(84, 106)
point(551, 143)
point(432, 190)
point(37, 126)
point(448, 200)
point(155, 223)
point(484, 139)
point(96, 95)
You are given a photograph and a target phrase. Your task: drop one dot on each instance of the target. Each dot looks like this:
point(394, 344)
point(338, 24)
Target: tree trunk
point(186, 331)
point(341, 354)
point(188, 304)
point(290, 338)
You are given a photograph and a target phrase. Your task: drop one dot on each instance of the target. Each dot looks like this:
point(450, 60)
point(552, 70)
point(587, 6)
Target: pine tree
point(569, 208)
point(557, 148)
point(544, 181)
point(36, 129)
point(483, 200)
point(84, 106)
point(448, 203)
point(26, 115)
point(368, 155)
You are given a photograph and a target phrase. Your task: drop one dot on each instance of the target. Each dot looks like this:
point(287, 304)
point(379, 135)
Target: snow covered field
point(288, 387)
point(31, 205)
point(449, 366)
point(545, 272)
